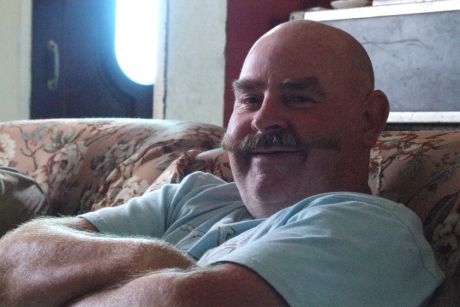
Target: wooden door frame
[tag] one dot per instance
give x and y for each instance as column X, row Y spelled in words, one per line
column 25, row 60
column 159, row 94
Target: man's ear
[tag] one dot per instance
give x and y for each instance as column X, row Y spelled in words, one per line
column 376, row 114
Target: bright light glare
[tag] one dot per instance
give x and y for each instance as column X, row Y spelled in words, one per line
column 136, row 39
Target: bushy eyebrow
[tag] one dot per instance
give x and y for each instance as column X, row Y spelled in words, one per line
column 247, row 85
column 307, row 83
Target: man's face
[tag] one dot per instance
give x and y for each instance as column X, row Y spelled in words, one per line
column 294, row 123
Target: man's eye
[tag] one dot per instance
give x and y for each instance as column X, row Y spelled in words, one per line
column 301, row 101
column 250, row 100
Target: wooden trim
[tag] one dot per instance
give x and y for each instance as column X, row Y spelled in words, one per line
column 159, row 98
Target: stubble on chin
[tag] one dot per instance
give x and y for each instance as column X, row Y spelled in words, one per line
column 261, row 184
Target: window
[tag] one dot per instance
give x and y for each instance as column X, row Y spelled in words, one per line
column 136, row 39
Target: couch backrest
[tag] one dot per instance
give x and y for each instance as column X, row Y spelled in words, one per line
column 422, row 170
column 90, row 163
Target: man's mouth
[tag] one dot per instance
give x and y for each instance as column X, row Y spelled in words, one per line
column 273, row 150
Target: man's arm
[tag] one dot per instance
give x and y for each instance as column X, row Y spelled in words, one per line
column 48, row 262
column 222, row 285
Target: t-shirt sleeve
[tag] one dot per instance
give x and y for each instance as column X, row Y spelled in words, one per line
column 146, row 215
column 152, row 213
column 341, row 254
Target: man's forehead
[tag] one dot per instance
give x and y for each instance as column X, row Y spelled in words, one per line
column 287, row 84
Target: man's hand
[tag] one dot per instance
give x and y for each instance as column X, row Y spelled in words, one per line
column 49, row 262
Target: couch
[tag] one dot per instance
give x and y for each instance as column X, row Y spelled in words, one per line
column 87, row 164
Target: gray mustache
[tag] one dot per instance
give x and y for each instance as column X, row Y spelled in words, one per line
column 276, row 139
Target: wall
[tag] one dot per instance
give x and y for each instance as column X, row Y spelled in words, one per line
column 15, row 41
column 195, row 70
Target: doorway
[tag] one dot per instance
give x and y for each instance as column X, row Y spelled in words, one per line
column 74, row 68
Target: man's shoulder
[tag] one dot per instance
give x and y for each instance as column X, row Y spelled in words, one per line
column 341, row 197
column 205, row 188
column 202, row 178
column 200, row 181
column 351, row 207
column 351, row 200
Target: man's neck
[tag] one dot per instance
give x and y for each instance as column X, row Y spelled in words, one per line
column 263, row 208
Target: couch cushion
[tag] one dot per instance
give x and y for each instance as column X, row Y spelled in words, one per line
column 21, row 199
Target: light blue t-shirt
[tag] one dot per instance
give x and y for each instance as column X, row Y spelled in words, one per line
column 332, row 249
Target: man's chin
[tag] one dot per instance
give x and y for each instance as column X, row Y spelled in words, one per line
column 267, row 203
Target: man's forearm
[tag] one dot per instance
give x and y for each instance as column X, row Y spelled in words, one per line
column 151, row 289
column 47, row 263
column 219, row 285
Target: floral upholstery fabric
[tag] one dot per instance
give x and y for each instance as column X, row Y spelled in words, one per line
column 214, row 161
column 422, row 170
column 92, row 163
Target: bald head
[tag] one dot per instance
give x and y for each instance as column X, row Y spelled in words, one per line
column 335, row 52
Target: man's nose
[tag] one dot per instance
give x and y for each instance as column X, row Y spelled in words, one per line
column 270, row 116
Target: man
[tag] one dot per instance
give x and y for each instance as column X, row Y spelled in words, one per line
column 298, row 228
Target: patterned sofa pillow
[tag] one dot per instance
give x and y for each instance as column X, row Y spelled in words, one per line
column 214, row 161
column 21, row 199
